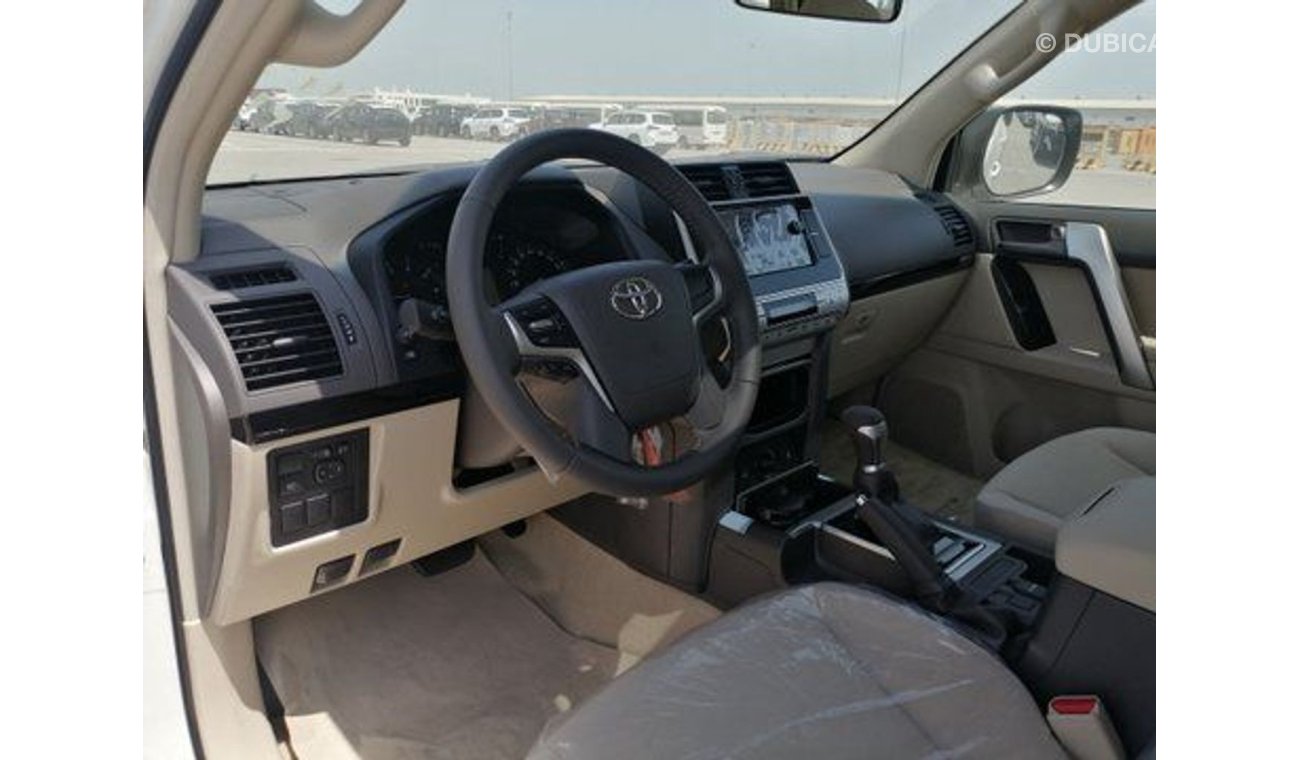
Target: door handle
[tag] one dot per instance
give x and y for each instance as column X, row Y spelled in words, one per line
column 1088, row 245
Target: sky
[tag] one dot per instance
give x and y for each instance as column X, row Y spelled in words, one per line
column 516, row 49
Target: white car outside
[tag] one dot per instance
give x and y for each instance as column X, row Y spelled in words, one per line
column 652, row 129
column 494, row 123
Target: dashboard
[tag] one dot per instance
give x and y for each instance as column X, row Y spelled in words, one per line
column 287, row 324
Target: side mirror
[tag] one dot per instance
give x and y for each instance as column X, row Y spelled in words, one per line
column 877, row 11
column 1017, row 152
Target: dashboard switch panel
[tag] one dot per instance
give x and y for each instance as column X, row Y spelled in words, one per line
column 318, row 486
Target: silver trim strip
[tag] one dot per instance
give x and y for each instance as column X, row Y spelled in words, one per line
column 961, row 566
column 1088, row 244
column 844, row 535
column 527, row 349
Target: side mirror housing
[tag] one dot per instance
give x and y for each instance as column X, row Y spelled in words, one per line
column 1017, row 152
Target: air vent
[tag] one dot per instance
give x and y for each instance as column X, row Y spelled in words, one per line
column 234, row 279
column 956, row 224
column 765, row 180
column 730, row 182
column 708, row 179
column 280, row 340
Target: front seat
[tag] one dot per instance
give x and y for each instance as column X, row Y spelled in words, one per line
column 822, row 671
column 1031, row 498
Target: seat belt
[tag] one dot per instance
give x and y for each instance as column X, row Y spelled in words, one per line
column 1083, row 728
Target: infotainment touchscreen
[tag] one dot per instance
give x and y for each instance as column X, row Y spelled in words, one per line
column 769, row 238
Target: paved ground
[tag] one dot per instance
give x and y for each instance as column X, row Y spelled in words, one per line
column 244, row 156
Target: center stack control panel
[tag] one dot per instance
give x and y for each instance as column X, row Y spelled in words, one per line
column 794, row 273
column 318, row 486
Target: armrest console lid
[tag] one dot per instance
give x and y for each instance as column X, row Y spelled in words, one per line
column 1111, row 546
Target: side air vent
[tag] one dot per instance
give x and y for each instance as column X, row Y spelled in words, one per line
column 709, row 180
column 234, row 279
column 764, row 180
column 956, row 224
column 280, row 340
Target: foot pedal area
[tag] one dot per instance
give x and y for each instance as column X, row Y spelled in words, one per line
column 1083, row 728
column 444, row 559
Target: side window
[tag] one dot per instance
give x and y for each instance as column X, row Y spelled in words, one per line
column 1109, row 78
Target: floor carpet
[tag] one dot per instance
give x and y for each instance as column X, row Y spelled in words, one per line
column 461, row 665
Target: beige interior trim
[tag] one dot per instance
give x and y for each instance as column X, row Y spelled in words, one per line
column 321, row 38
column 1112, row 546
column 977, row 328
column 1140, row 283
column 411, row 497
column 880, row 330
column 226, row 694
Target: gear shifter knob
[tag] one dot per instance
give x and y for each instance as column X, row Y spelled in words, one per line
column 869, row 430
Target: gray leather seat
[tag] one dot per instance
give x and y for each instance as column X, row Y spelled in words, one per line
column 823, row 671
column 1032, row 497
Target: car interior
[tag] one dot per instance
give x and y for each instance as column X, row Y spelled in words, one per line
column 582, row 451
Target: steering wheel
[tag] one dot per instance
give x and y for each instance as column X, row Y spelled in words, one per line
column 630, row 330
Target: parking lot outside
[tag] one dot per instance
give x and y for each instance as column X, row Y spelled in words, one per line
column 249, row 156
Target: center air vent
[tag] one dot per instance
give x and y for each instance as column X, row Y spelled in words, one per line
column 280, row 340
column 234, row 279
column 764, row 180
column 708, row 179
column 728, row 182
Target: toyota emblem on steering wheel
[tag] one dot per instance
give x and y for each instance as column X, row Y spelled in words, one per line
column 635, row 298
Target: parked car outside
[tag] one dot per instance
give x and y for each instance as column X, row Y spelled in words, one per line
column 371, row 125
column 495, row 123
column 441, row 120
column 307, row 120
column 651, row 129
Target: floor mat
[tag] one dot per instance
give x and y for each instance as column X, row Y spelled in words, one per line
column 938, row 490
column 461, row 665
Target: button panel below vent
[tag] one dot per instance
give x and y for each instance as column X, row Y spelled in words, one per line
column 280, row 340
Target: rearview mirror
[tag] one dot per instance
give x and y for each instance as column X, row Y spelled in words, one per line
column 878, row 11
column 1020, row 151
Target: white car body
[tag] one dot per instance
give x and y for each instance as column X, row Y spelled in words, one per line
column 494, row 123
column 648, row 128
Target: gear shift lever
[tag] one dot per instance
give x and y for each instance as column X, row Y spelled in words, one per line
column 906, row 531
column 872, row 477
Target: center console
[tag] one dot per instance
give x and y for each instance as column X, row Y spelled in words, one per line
column 798, row 526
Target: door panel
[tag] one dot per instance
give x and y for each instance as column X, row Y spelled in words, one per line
column 978, row 393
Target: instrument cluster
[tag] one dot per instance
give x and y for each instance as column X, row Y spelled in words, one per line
column 532, row 239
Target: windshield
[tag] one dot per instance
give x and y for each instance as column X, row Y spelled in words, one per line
column 467, row 78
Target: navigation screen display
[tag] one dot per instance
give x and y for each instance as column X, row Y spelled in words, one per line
column 770, row 238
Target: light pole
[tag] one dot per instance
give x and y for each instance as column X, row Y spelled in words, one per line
column 510, row 63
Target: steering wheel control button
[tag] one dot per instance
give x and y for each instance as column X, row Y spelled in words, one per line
column 332, row 572
column 544, row 325
column 318, row 486
column 559, row 370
